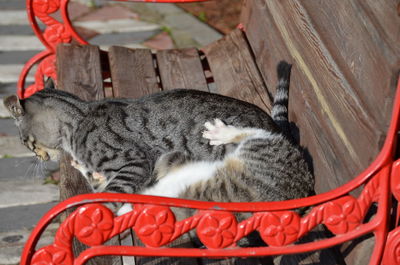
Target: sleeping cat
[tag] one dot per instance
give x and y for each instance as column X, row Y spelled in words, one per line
column 121, row 139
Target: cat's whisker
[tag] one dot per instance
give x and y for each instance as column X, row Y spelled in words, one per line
column 39, row 169
column 28, row 170
column 36, row 169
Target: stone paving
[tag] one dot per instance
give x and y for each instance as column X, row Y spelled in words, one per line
column 24, row 197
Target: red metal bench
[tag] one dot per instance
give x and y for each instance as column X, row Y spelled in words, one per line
column 217, row 228
column 342, row 210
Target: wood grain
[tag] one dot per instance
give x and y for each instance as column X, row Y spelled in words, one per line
column 79, row 72
column 340, row 81
column 181, row 69
column 123, row 88
column 346, row 59
column 234, row 70
column 132, row 72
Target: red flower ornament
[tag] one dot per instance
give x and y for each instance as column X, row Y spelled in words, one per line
column 279, row 228
column 48, row 66
column 56, row 34
column 155, row 225
column 217, row 229
column 93, row 224
column 342, row 215
column 52, row 255
column 46, row 6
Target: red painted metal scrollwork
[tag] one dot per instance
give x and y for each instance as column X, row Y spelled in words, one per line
column 54, row 33
column 217, row 229
column 278, row 223
column 392, row 251
column 156, row 226
column 279, row 229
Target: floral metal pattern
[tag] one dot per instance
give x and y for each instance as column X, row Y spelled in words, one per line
column 155, row 225
column 278, row 229
column 217, row 229
column 52, row 255
column 54, row 33
column 343, row 215
column 93, row 226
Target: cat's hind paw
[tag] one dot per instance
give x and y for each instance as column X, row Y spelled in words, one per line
column 219, row 133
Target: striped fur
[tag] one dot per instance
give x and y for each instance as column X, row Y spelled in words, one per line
column 279, row 111
column 264, row 166
column 121, row 139
column 116, row 143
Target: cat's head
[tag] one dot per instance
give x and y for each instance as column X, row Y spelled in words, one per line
column 37, row 125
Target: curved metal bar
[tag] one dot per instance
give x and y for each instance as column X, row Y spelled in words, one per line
column 27, row 67
column 35, row 26
column 68, row 24
column 381, row 171
column 217, row 253
column 377, row 224
column 56, row 32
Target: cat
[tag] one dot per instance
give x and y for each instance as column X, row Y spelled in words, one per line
column 264, row 166
column 121, row 139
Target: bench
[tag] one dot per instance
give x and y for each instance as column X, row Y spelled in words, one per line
column 333, row 104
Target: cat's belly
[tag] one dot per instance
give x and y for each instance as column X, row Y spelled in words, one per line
column 177, row 181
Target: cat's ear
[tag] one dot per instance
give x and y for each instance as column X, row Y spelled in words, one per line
column 13, row 105
column 50, row 84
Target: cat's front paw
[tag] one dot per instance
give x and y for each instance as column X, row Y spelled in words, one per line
column 218, row 133
column 77, row 166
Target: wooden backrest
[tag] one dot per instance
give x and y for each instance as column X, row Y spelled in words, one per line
column 343, row 80
column 346, row 61
column 346, row 58
column 138, row 72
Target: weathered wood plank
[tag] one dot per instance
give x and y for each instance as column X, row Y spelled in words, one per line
column 136, row 85
column 324, row 76
column 78, row 67
column 364, row 65
column 234, row 71
column 79, row 72
column 181, row 69
column 382, row 20
column 132, row 72
column 236, row 75
column 346, row 58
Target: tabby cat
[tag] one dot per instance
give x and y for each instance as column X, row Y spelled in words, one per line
column 116, row 142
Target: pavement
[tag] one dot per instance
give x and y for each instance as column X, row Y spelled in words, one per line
column 24, row 196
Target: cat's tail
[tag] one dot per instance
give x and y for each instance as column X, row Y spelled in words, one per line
column 279, row 111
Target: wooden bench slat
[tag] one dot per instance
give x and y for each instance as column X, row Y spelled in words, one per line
column 132, row 72
column 136, row 68
column 79, row 67
column 181, row 69
column 323, row 78
column 234, row 70
column 345, row 73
